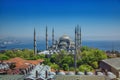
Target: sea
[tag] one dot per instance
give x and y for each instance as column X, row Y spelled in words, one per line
column 102, row 45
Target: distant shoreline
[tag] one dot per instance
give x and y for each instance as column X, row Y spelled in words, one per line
column 102, row 45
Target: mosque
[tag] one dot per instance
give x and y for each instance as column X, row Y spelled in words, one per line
column 64, row 42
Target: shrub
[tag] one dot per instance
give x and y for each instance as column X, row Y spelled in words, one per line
column 65, row 67
column 85, row 67
column 54, row 66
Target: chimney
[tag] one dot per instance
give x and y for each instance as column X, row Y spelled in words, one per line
column 36, row 74
column 46, row 74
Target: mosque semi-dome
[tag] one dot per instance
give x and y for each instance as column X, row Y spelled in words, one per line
column 63, row 43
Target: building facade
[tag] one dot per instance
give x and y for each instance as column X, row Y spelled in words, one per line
column 112, row 65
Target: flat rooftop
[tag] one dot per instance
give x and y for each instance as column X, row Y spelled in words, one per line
column 114, row 62
column 80, row 77
column 11, row 77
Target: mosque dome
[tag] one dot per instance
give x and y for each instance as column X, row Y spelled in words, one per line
column 65, row 42
column 64, row 37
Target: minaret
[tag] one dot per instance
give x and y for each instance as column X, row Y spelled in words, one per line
column 75, row 37
column 46, row 39
column 35, row 49
column 80, row 38
column 53, row 36
column 75, row 52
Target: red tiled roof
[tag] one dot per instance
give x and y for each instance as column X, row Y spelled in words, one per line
column 21, row 63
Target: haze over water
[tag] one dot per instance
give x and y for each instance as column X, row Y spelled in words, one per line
column 103, row 45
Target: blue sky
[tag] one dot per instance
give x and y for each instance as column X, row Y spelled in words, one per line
column 99, row 19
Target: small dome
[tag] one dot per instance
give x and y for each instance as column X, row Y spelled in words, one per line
column 80, row 73
column 61, row 73
column 89, row 73
column 70, row 73
column 111, row 75
column 100, row 73
column 72, row 43
column 52, row 73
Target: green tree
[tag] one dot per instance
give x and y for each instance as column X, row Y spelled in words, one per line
column 65, row 67
column 85, row 48
column 10, row 54
column 41, row 56
column 71, row 69
column 99, row 55
column 54, row 59
column 54, row 66
column 19, row 53
column 94, row 64
column 67, row 60
column 91, row 56
column 85, row 67
column 3, row 57
column 47, row 61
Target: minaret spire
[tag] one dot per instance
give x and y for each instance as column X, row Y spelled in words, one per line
column 35, row 49
column 53, row 36
column 46, row 39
